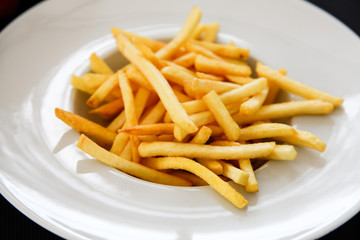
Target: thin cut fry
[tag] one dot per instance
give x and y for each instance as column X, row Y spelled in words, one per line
column 103, row 91
column 186, row 60
column 177, row 74
column 205, row 86
column 208, row 76
column 159, row 83
column 304, row 139
column 211, row 31
column 109, row 110
column 295, row 87
column 286, row 109
column 183, row 35
column 282, row 152
column 222, row 115
column 218, row 67
column 97, row 65
column 266, row 130
column 189, row 165
column 229, row 51
column 101, row 135
column 253, row 104
column 150, row 129
column 152, row 149
column 129, row 167
column 252, row 184
column 234, row 173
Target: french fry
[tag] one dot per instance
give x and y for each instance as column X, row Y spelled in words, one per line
column 154, row 115
column 295, row 87
column 256, row 150
column 304, row 139
column 266, row 130
column 252, row 184
column 186, row 60
column 134, row 75
column 183, row 35
column 273, row 89
column 239, row 80
column 159, row 83
column 129, row 167
column 89, row 82
column 150, row 129
column 191, row 47
column 109, row 110
column 140, row 100
column 229, row 97
column 211, row 31
column 205, row 86
column 219, row 67
column 222, row 115
column 189, row 165
column 177, row 74
column 234, row 173
column 207, row 76
column 195, row 180
column 229, row 51
column 97, row 65
column 130, row 111
column 286, row 109
column 282, row 152
column 118, row 122
column 154, row 45
column 148, row 53
column 101, row 135
column 103, row 91
column 199, row 30
column 253, row 104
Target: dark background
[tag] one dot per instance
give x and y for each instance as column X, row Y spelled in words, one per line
column 15, row 225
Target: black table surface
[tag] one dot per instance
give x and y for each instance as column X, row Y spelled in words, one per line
column 15, row 225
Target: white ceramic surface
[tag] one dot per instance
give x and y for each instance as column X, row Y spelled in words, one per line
column 45, row 176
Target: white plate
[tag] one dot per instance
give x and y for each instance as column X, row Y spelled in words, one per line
column 44, row 175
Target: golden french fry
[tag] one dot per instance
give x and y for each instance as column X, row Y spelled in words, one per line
column 282, row 152
column 97, row 65
column 286, row 109
column 207, row 76
column 154, row 45
column 205, row 86
column 295, row 87
column 151, row 149
column 222, row 115
column 252, row 184
column 129, row 167
column 189, row 165
column 177, row 74
column 159, row 83
column 253, row 104
column 219, row 67
column 134, row 75
column 211, row 31
column 195, row 180
column 273, row 89
column 118, row 122
column 266, row 130
column 239, row 80
column 130, row 111
column 183, row 35
column 304, row 139
column 103, row 91
column 101, row 135
column 200, row 28
column 234, row 173
column 154, row 115
column 109, row 110
column 186, row 60
column 229, row 97
column 150, row 129
column 148, row 53
column 140, row 100
column 230, row 51
column 89, row 82
column 191, row 47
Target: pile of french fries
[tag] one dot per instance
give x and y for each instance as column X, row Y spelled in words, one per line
column 192, row 111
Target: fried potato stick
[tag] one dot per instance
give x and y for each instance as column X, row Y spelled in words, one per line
column 129, row 167
column 295, row 87
column 159, row 83
column 101, row 135
column 152, row 149
column 216, row 182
